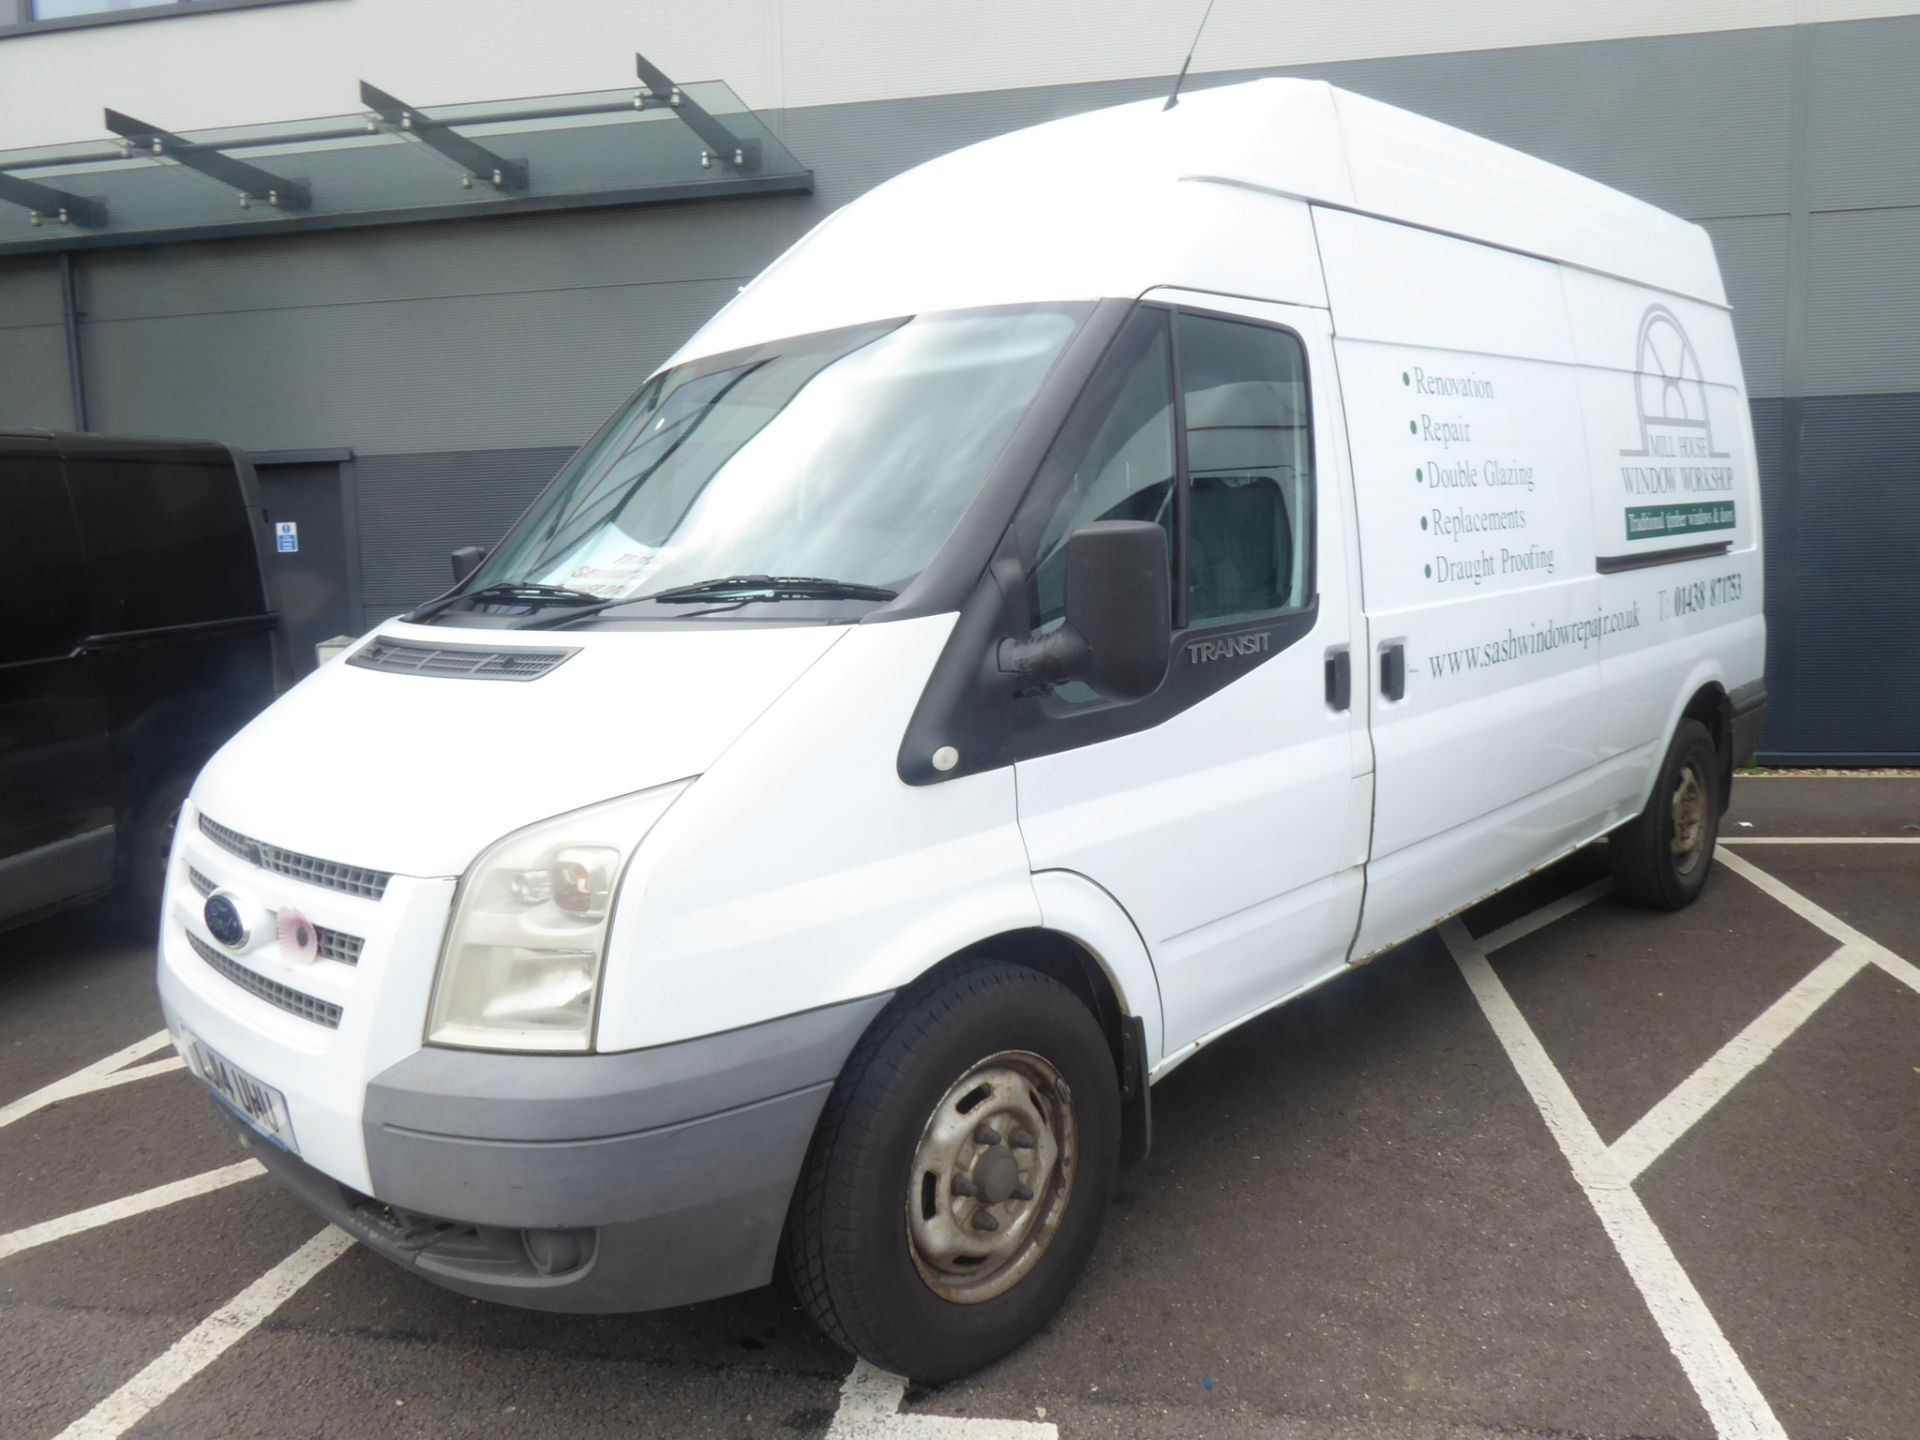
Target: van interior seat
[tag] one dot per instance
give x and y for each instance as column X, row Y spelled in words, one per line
column 1242, row 546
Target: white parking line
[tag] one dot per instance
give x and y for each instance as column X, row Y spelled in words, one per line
column 1820, row 839
column 1655, row 1132
column 100, row 1075
column 208, row 1340
column 128, row 1206
column 1544, row 916
column 1902, row 970
column 870, row 1410
column 1734, row 1404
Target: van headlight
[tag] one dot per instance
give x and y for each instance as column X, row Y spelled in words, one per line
column 523, row 954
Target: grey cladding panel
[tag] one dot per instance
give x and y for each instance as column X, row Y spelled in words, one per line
column 414, row 509
column 1753, row 262
column 1865, row 140
column 876, row 140
column 577, row 250
column 475, row 372
column 1846, row 677
column 30, row 292
column 34, row 389
column 1863, row 303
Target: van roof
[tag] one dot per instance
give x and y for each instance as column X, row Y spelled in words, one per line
column 1280, row 135
column 121, row 447
column 1112, row 203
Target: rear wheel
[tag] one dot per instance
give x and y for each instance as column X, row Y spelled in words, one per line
column 960, row 1173
column 1661, row 858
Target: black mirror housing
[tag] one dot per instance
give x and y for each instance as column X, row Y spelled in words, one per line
column 466, row 559
column 1118, row 632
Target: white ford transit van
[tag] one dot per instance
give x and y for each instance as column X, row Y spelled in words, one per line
column 1098, row 585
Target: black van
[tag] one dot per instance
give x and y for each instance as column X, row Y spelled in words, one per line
column 136, row 635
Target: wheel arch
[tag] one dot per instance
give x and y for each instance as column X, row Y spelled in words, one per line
column 1704, row 697
column 1087, row 943
column 1713, row 707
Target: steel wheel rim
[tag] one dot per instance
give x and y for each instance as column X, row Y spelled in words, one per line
column 1689, row 821
column 1021, row 1179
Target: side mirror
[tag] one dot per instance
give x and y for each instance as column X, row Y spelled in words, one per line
column 466, row 559
column 1117, row 635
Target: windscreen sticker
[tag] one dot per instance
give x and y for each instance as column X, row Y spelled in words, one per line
column 610, row 565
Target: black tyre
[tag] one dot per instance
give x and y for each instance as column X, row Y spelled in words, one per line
column 960, row 1172
column 1661, row 858
column 150, row 846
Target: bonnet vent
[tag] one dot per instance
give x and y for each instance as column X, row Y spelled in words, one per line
column 457, row 662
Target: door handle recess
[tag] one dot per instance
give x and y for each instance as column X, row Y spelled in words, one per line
column 1393, row 671
column 1339, row 680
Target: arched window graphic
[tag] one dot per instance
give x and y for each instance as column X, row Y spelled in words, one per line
column 1669, row 384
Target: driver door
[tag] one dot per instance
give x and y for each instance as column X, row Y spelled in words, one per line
column 1228, row 812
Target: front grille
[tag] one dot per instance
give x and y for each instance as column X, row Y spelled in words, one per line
column 331, row 944
column 457, row 662
column 294, row 1002
column 338, row 945
column 353, row 879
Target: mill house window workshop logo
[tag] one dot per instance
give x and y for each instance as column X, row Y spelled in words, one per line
column 1677, row 457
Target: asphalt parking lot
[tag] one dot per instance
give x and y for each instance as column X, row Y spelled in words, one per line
column 1566, row 1169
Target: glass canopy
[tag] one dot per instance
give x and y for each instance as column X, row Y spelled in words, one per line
column 393, row 163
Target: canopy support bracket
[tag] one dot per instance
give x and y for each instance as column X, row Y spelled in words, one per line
column 479, row 162
column 250, row 181
column 47, row 203
column 723, row 147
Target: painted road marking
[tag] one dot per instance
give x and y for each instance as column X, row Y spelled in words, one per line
column 1903, row 971
column 1654, row 1133
column 208, row 1340
column 1820, row 839
column 1734, row 1404
column 100, row 1075
column 870, row 1410
column 1544, row 916
column 128, row 1206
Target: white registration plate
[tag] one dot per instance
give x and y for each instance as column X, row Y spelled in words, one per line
column 259, row 1104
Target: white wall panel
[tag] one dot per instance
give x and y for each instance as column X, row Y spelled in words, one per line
column 289, row 61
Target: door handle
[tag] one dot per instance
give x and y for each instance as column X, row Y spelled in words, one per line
column 1339, row 680
column 1393, row 671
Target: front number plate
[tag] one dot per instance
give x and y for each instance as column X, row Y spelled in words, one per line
column 259, row 1104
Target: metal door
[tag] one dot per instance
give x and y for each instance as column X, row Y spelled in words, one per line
column 312, row 575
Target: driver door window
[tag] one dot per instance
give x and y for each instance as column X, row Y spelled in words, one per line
column 1119, row 444
column 1201, row 425
column 1249, row 473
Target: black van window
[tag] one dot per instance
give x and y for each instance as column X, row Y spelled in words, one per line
column 43, row 584
column 168, row 543
column 1249, row 470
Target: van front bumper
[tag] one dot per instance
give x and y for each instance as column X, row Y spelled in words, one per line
column 591, row 1183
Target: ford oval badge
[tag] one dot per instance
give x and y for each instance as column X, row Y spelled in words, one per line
column 224, row 921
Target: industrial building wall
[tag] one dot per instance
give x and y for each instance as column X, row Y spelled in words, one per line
column 461, row 361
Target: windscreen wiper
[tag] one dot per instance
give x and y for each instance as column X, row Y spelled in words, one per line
column 740, row 588
column 776, row 587
column 528, row 592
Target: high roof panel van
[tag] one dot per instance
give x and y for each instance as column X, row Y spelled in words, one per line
column 1095, row 587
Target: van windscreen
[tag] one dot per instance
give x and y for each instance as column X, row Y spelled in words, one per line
column 848, row 455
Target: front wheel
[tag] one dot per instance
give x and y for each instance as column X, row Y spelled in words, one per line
column 1661, row 858
column 151, row 845
column 960, row 1173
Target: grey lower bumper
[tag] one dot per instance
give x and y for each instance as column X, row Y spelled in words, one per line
column 594, row 1183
